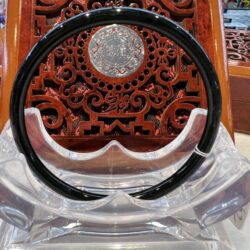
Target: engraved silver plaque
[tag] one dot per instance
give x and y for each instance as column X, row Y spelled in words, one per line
column 116, row 51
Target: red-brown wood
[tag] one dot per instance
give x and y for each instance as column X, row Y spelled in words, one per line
column 238, row 51
column 170, row 83
column 238, row 47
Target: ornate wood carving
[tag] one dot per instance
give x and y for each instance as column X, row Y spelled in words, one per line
column 238, row 51
column 78, row 103
column 238, row 45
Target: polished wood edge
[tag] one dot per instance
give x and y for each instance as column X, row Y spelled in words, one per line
column 221, row 63
column 10, row 57
column 2, row 36
column 239, row 71
column 242, row 131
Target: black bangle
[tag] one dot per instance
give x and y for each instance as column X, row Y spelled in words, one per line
column 102, row 17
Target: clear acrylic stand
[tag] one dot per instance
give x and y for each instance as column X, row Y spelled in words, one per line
column 35, row 217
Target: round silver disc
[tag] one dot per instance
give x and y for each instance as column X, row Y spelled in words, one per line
column 116, row 51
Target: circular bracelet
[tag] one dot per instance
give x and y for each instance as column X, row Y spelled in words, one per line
column 107, row 16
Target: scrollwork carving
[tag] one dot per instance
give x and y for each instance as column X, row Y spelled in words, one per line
column 76, row 100
column 238, row 45
column 48, row 6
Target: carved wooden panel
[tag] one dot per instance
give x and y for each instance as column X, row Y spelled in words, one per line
column 238, row 51
column 143, row 111
column 238, row 46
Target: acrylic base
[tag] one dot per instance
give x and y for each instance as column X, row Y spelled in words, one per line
column 153, row 237
column 35, row 217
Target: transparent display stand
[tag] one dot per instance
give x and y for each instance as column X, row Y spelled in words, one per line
column 34, row 216
column 174, row 197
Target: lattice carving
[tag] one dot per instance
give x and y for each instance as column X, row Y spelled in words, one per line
column 77, row 101
column 238, row 45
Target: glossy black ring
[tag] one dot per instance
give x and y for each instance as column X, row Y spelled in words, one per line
column 101, row 17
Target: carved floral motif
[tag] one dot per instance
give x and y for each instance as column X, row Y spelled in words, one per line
column 77, row 100
column 238, row 45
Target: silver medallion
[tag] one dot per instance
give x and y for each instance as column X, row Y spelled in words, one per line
column 116, row 51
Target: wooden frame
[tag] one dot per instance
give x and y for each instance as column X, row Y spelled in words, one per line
column 15, row 42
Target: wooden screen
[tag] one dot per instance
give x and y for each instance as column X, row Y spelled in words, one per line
column 66, row 81
column 238, row 50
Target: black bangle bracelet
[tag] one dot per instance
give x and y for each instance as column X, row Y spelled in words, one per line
column 102, row 17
